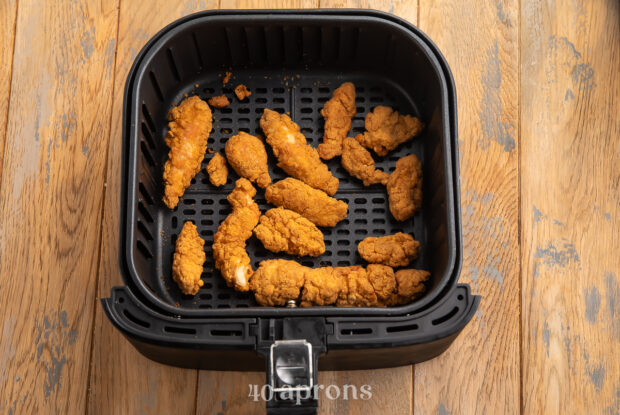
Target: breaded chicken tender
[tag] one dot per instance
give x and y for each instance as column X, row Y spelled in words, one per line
column 386, row 130
column 229, row 241
column 396, row 250
column 404, row 187
column 220, row 101
column 312, row 204
column 295, row 156
column 188, row 260
column 410, row 284
column 282, row 230
column 277, row 281
column 321, row 287
column 360, row 164
column 190, row 126
column 218, row 172
column 247, row 156
column 337, row 112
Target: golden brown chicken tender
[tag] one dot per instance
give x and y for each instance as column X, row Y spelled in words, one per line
column 277, row 281
column 282, row 230
column 188, row 260
column 404, row 187
column 217, row 170
column 247, row 156
column 312, row 204
column 337, row 112
column 396, row 250
column 386, row 130
column 360, row 164
column 190, row 126
column 321, row 287
column 229, row 250
column 410, row 284
column 294, row 155
column 220, row 101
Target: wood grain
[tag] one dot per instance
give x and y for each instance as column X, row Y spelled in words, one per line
column 8, row 14
column 50, row 199
column 480, row 371
column 268, row 4
column 570, row 169
column 122, row 380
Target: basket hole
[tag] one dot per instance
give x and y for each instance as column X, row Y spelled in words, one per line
column 459, row 297
column 378, row 221
column 360, row 201
column 307, row 263
column 144, row 230
column 278, row 90
column 147, row 154
column 225, row 130
column 205, row 296
column 261, row 100
column 145, row 212
column 226, row 110
column 343, row 263
column 378, row 200
column 209, row 90
column 324, row 90
column 206, row 222
column 353, row 332
column 322, row 99
column 136, row 320
column 397, row 329
column 243, row 120
column 243, row 110
column 306, row 100
column 360, row 211
column 189, row 212
column 145, row 194
column 306, row 90
column 343, row 242
column 360, row 221
column 147, row 117
column 236, row 333
column 344, row 253
column 378, row 210
column 446, row 317
column 342, row 232
column 174, row 222
column 207, row 201
column 361, row 232
column 380, row 231
column 179, row 330
column 225, row 120
column 306, row 110
column 261, row 90
column 144, row 250
column 148, row 136
column 278, row 100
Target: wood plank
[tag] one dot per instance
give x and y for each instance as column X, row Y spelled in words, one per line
column 8, row 14
column 267, row 4
column 122, row 380
column 480, row 372
column 50, row 201
column 570, row 97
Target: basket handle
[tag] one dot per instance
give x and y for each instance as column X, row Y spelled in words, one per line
column 291, row 348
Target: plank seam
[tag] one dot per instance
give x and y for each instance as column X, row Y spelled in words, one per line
column 8, row 106
column 102, row 215
column 520, row 211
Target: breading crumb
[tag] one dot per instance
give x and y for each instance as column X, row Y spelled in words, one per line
column 242, row 92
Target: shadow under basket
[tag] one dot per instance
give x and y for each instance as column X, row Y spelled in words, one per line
column 291, row 61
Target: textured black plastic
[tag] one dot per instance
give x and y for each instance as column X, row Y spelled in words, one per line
column 292, row 63
column 232, row 343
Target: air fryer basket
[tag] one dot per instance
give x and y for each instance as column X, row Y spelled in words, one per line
column 292, row 63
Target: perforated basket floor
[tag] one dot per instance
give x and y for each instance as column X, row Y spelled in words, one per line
column 301, row 96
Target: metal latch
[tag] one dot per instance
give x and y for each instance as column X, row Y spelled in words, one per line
column 291, row 366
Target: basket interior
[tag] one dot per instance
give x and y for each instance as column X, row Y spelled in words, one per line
column 293, row 67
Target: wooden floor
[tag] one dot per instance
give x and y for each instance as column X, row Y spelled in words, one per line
column 539, row 124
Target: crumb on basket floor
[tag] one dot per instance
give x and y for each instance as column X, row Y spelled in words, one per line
column 242, row 92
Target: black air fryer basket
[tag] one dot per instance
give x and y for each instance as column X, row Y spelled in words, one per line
column 291, row 61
